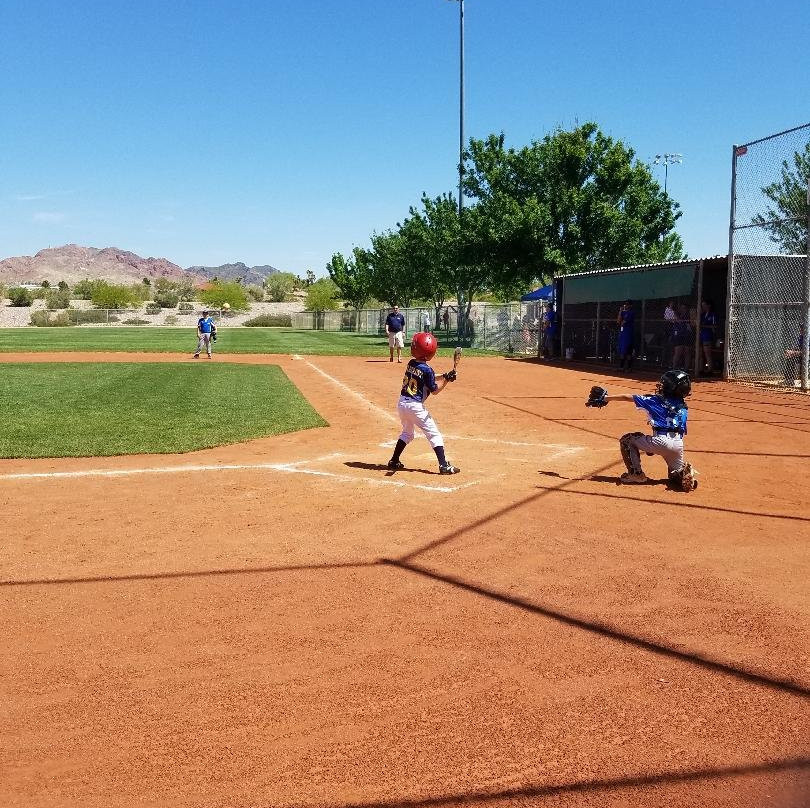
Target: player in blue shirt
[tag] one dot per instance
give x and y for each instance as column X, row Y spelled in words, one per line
column 708, row 333
column 627, row 331
column 206, row 332
column 395, row 328
column 549, row 331
column 667, row 414
column 419, row 382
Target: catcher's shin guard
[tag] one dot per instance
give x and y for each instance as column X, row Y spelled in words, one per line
column 630, row 455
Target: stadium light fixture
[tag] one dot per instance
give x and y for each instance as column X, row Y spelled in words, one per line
column 667, row 160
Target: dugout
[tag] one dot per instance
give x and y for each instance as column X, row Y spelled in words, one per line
column 589, row 303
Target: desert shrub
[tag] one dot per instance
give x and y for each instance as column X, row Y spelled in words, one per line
column 256, row 292
column 63, row 286
column 50, row 319
column 135, row 321
column 20, row 296
column 153, row 308
column 57, row 299
column 270, row 321
column 185, row 307
column 170, row 319
column 39, row 294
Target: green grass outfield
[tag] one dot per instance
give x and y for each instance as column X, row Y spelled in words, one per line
column 81, row 409
column 184, row 340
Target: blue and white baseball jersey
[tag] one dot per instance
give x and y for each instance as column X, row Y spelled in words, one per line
column 419, row 381
column 666, row 414
column 205, row 324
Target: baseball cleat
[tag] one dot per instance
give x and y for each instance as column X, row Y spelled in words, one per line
column 395, row 465
column 449, row 468
column 631, row 478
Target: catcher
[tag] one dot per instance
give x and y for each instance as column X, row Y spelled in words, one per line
column 419, row 382
column 667, row 413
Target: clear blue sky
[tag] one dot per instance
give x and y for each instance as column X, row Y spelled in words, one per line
column 282, row 131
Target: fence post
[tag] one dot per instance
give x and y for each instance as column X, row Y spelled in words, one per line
column 698, row 347
column 730, row 278
column 806, row 313
column 107, row 313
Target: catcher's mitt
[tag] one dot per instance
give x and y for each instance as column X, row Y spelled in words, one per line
column 685, row 479
column 213, row 336
column 597, row 397
column 450, row 375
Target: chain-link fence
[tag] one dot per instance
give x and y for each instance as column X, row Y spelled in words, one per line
column 769, row 284
column 510, row 328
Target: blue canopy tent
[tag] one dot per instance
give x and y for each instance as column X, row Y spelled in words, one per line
column 543, row 293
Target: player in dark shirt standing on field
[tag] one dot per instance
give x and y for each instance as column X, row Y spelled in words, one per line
column 395, row 328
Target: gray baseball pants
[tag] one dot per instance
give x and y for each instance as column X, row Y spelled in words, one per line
column 667, row 446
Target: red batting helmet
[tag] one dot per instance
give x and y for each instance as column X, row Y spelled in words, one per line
column 424, row 346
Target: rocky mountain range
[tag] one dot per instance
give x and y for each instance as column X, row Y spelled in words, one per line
column 73, row 263
column 236, row 272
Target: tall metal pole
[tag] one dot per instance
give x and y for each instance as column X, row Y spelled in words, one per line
column 806, row 312
column 732, row 220
column 461, row 109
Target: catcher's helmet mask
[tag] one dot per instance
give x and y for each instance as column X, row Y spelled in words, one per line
column 675, row 384
column 424, row 346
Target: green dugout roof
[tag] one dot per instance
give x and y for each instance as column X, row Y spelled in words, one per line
column 647, row 282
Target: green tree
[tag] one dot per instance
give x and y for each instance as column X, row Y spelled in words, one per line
column 112, row 296
column 432, row 242
column 229, row 292
column 46, row 284
column 63, row 286
column 322, row 295
column 165, row 293
column 576, row 200
column 393, row 279
column 785, row 219
column 57, row 299
column 280, row 285
column 352, row 276
column 83, row 290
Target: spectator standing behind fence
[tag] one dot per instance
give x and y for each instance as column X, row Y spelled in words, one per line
column 708, row 334
column 549, row 325
column 626, row 321
column 446, row 318
column 426, row 324
column 205, row 333
column 395, row 328
column 682, row 338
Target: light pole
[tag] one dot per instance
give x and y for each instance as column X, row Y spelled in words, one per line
column 460, row 324
column 667, row 160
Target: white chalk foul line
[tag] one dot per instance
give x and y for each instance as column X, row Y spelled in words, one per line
column 296, row 467
column 379, row 410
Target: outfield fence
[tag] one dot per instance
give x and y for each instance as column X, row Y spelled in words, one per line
column 769, row 242
column 511, row 328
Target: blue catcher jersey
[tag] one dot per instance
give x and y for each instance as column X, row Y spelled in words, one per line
column 668, row 414
column 419, row 381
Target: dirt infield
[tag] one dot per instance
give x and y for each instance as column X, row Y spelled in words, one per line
column 285, row 623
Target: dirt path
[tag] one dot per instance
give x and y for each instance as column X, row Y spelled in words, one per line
column 298, row 627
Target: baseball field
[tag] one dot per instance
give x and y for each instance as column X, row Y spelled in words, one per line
column 278, row 620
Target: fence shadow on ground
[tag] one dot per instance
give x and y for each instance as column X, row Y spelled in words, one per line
column 605, row 785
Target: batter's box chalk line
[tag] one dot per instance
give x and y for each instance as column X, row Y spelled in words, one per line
column 295, row 467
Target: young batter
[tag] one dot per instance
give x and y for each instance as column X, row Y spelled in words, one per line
column 668, row 414
column 419, row 382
